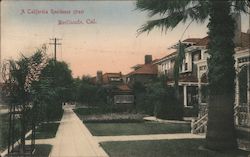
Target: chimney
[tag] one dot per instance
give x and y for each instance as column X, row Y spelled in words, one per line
column 237, row 31
column 99, row 77
column 148, row 59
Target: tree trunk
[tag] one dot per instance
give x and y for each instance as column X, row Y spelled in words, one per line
column 221, row 132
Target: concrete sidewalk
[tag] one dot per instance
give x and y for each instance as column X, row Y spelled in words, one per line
column 148, row 137
column 73, row 139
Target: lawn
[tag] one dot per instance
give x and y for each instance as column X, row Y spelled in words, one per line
column 114, row 129
column 42, row 150
column 165, row 148
column 46, row 130
column 4, row 117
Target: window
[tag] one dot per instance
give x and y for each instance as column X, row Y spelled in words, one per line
column 192, row 95
column 197, row 56
column 115, row 79
column 186, row 66
column 204, row 67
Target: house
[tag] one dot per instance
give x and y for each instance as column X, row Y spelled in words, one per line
column 189, row 82
column 143, row 73
column 194, row 69
column 119, row 94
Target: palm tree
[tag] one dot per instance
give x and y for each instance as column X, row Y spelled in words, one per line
column 221, row 131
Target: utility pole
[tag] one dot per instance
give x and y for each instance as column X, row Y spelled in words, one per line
column 55, row 43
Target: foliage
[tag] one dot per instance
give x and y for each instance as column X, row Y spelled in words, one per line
column 221, row 131
column 139, row 93
column 46, row 130
column 162, row 101
column 38, row 81
column 87, row 93
column 171, row 13
column 178, row 62
column 138, row 87
column 157, row 99
column 53, row 88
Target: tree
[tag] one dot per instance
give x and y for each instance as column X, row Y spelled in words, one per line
column 221, row 132
column 161, row 101
column 19, row 78
column 55, row 88
column 85, row 90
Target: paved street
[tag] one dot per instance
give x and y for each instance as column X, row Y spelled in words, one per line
column 74, row 139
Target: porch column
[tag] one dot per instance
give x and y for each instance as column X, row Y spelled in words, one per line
column 185, row 95
column 237, row 97
column 199, row 85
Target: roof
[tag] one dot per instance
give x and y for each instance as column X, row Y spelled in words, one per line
column 192, row 40
column 245, row 41
column 123, row 87
column 106, row 76
column 137, row 66
column 148, row 69
column 203, row 42
column 167, row 56
column 112, row 75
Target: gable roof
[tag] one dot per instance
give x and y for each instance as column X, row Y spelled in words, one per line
column 148, row 69
column 203, row 42
column 192, row 40
column 106, row 76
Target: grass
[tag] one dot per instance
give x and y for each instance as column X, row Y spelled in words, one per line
column 46, row 130
column 114, row 129
column 165, row 148
column 4, row 120
column 42, row 150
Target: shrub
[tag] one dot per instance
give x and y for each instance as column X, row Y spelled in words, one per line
column 162, row 102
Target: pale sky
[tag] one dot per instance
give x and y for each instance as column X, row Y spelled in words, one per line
column 110, row 45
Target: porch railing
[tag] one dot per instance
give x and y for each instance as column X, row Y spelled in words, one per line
column 241, row 118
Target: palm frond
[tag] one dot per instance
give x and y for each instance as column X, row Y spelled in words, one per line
column 172, row 13
column 164, row 23
column 241, row 5
column 162, row 6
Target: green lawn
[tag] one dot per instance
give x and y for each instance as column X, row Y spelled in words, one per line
column 46, row 130
column 4, row 119
column 165, row 148
column 114, row 129
column 42, row 150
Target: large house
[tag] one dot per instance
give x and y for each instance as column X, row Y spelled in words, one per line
column 189, row 81
column 193, row 74
column 119, row 93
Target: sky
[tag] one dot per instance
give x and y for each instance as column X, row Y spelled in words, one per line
column 106, row 39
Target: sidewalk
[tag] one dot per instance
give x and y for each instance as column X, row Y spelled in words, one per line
column 73, row 139
column 148, row 137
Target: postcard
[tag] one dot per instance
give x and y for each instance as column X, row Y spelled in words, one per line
column 125, row 78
